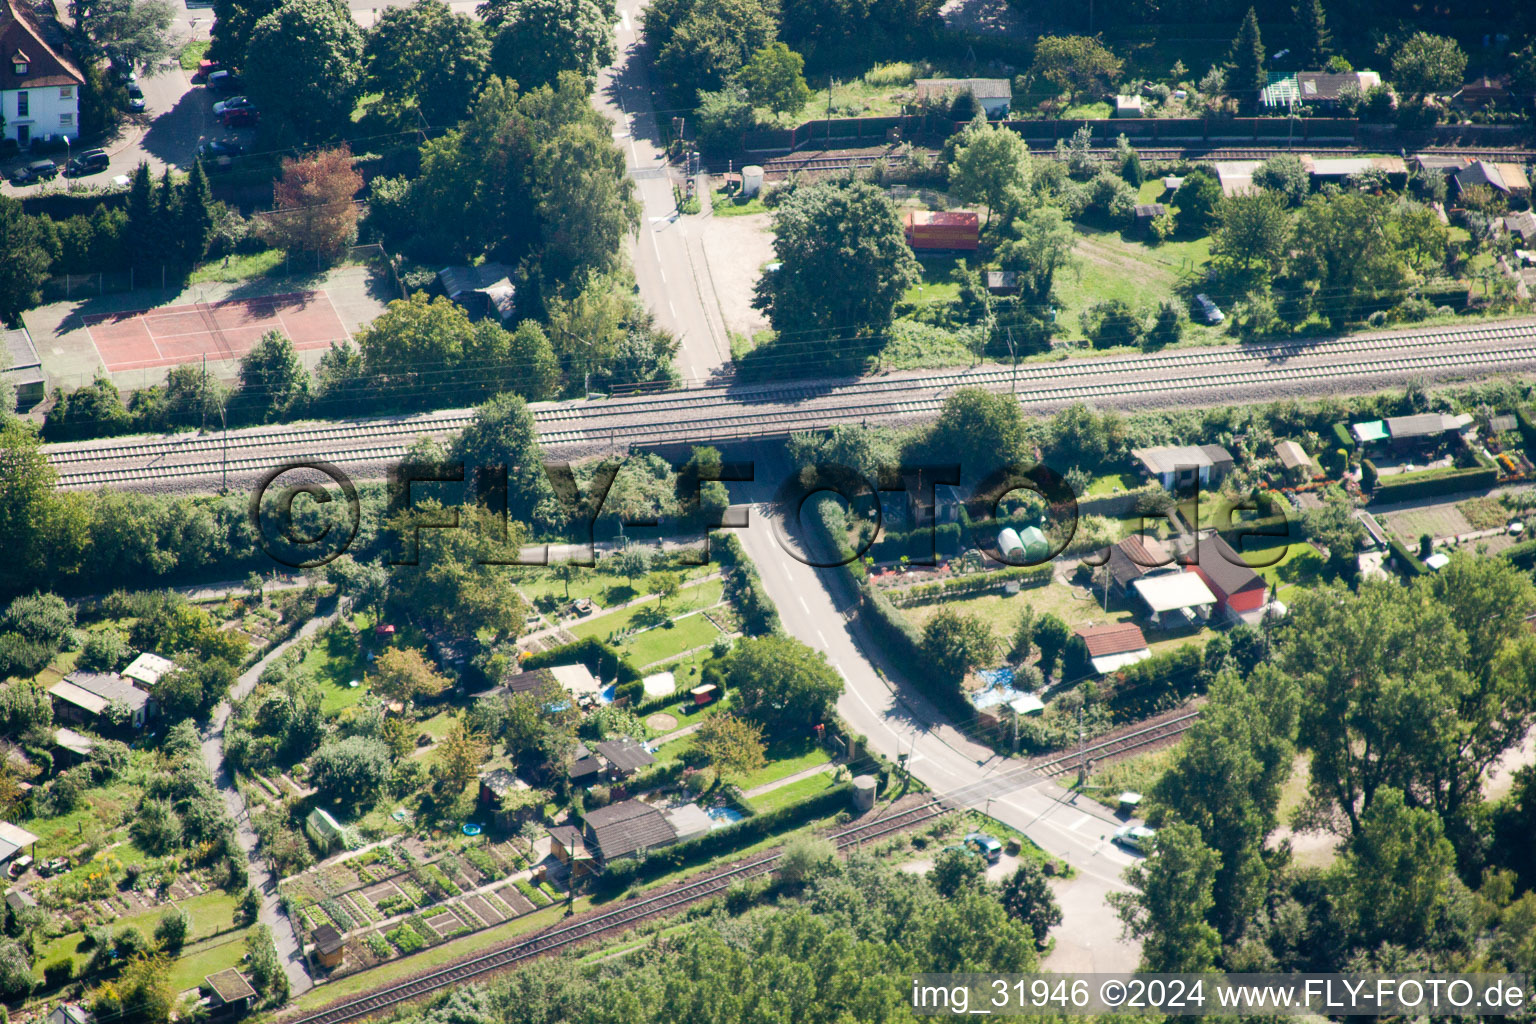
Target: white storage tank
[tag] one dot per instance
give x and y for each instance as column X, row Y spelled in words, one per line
column 751, row 179
column 864, row 793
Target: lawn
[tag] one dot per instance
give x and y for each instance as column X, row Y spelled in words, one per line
column 241, row 267
column 1112, row 482
column 333, row 664
column 211, row 913
column 726, row 204
column 700, row 595
column 606, row 589
column 193, row 53
column 1001, row 611
column 792, row 793
column 1110, row 267
column 196, row 963
column 785, row 757
column 1299, row 566
column 668, row 641
column 936, row 287
column 1137, row 774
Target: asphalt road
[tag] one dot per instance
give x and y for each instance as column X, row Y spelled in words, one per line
column 817, row 608
column 667, row 253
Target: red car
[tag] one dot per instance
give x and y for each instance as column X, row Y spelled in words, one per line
column 239, row 117
column 204, row 69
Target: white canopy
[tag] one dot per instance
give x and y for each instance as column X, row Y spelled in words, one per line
column 1174, row 591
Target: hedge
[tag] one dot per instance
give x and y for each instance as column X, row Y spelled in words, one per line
column 744, row 587
column 1408, row 560
column 1522, row 554
column 1344, row 437
column 1527, row 428
column 973, row 583
column 1435, row 482
column 601, row 660
column 725, row 840
column 894, row 634
column 1143, row 689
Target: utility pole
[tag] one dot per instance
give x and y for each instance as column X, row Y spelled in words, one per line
column 1014, row 356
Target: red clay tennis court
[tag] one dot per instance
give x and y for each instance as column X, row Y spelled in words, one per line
column 170, row 335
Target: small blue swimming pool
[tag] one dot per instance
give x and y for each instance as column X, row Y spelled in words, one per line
column 724, row 815
column 608, row 693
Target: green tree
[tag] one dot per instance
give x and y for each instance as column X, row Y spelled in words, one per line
column 1316, row 40
column 1111, row 323
column 1075, row 64
column 1227, row 781
column 532, row 41
column 401, row 673
column 24, row 260
column 273, row 382
column 352, row 770
column 458, row 756
column 954, row 644
column 1397, row 872
column 843, row 231
column 1196, row 200
column 700, row 46
column 1245, row 60
column 504, row 434
column 732, row 746
column 1044, row 244
column 1027, row 897
column 781, row 684
column 987, row 427
column 1346, row 251
column 956, row 870
column 722, row 116
column 775, row 78
column 233, row 21
column 1284, row 173
column 806, row 858
column 1171, row 899
column 1426, row 64
column 195, row 690
column 249, row 907
column 129, row 33
column 172, row 930
column 194, row 214
column 1131, row 169
column 991, row 166
column 266, row 967
column 1168, row 324
column 425, row 58
column 1051, row 636
column 1420, row 688
column 304, row 66
column 585, row 202
column 1252, row 234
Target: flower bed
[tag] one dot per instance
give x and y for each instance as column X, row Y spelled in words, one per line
column 406, row 939
column 532, row 895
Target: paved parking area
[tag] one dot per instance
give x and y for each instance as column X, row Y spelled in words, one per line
column 177, row 117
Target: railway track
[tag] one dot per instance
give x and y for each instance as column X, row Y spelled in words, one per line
column 632, row 912
column 1111, row 746
column 1195, row 150
column 563, row 423
column 778, row 410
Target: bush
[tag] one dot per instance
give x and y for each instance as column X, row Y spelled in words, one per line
column 59, row 972
column 1368, row 475
column 406, row 940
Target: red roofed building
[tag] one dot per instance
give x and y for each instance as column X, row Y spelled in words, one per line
column 1239, row 590
column 39, row 80
column 1114, row 645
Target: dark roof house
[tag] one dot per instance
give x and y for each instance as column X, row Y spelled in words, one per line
column 625, row 755
column 29, row 59
column 69, row 1013
column 626, row 828
column 231, row 992
column 486, row 290
column 329, row 946
column 1137, row 556
column 1238, row 589
column 82, row 696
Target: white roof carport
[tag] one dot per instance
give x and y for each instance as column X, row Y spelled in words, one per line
column 1174, row 591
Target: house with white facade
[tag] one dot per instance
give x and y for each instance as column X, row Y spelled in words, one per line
column 39, row 80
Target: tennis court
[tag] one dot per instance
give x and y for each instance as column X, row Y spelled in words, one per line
column 227, row 330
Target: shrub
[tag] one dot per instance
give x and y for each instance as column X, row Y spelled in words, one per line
column 405, row 939
column 59, row 972
column 376, row 945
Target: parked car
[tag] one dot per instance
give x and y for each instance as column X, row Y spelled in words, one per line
column 135, row 98
column 92, row 161
column 19, row 866
column 219, row 154
column 1209, row 312
column 37, row 170
column 1136, row 837
column 240, row 117
column 224, row 81
column 233, row 103
column 986, row 845
column 204, row 69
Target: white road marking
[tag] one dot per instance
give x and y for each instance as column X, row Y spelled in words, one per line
column 624, row 20
column 801, row 599
column 1077, row 826
column 821, row 638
